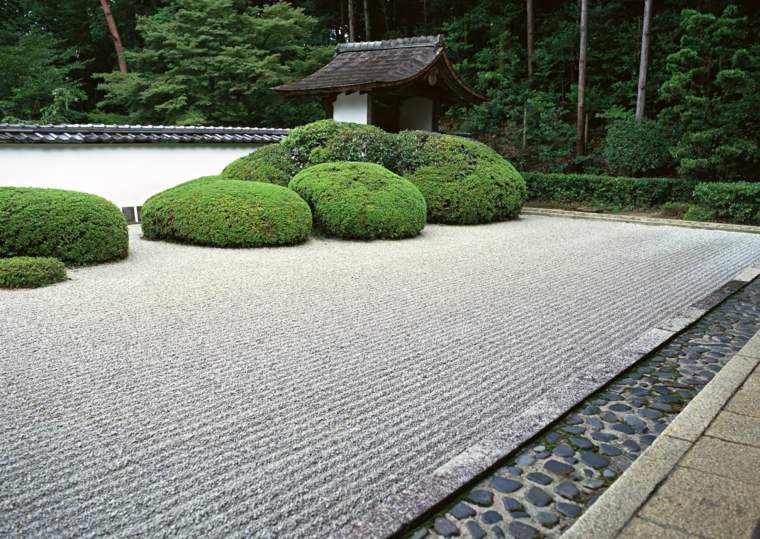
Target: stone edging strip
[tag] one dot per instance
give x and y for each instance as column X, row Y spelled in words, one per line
column 726, row 227
column 400, row 511
column 620, row 503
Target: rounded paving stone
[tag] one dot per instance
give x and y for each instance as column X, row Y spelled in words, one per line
column 593, row 483
column 574, row 430
column 540, row 478
column 491, row 517
column 558, row 468
column 568, row 509
column 594, row 460
column 552, row 437
column 603, row 436
column 638, row 424
column 538, row 497
column 619, row 407
column 581, row 443
column 445, row 527
column 475, row 531
column 518, row 530
column 462, row 511
column 505, row 485
column 610, row 450
column 547, row 519
column 512, row 505
column 563, row 450
column 567, row 489
column 525, row 460
column 481, row 497
column 419, row 534
column 624, row 428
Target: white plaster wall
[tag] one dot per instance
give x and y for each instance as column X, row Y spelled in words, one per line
column 352, row 108
column 126, row 174
column 416, row 113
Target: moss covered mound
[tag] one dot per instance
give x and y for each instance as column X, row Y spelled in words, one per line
column 463, row 181
column 76, row 228
column 269, row 164
column 227, row 213
column 361, row 200
column 30, row 272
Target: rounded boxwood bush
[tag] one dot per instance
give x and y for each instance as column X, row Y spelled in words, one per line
column 327, row 141
column 76, row 228
column 227, row 213
column 30, row 272
column 361, row 200
column 463, row 181
column 269, row 164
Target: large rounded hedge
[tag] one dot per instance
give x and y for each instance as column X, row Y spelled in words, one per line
column 227, row 213
column 361, row 200
column 326, row 141
column 463, row 181
column 77, row 228
column 269, row 164
column 30, row 272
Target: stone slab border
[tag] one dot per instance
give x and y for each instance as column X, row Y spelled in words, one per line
column 726, row 227
column 402, row 511
column 620, row 503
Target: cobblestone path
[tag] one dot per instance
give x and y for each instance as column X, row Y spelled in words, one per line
column 545, row 486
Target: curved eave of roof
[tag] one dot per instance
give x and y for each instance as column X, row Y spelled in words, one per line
column 461, row 89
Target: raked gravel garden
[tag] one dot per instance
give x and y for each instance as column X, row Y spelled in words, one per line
column 280, row 348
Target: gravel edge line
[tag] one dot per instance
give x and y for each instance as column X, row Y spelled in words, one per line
column 620, row 503
column 399, row 512
column 661, row 221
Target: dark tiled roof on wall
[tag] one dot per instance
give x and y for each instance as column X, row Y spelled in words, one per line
column 121, row 134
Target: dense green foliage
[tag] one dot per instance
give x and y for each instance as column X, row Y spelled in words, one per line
column 361, row 201
column 227, row 213
column 37, row 80
column 713, row 97
column 636, row 148
column 214, row 61
column 737, row 202
column 464, row 182
column 77, row 228
column 30, row 272
column 270, row 164
column 325, row 140
column 617, row 192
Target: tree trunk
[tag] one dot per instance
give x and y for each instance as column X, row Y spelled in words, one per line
column 351, row 21
column 641, row 98
column 114, row 36
column 529, row 5
column 580, row 146
column 367, row 25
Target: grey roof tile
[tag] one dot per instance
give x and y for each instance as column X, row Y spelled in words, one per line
column 101, row 133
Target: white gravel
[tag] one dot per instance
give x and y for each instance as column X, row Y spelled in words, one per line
column 284, row 392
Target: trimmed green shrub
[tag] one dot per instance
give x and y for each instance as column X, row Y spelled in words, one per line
column 463, row 181
column 637, row 148
column 737, row 202
column 361, row 200
column 619, row 192
column 327, row 141
column 77, row 228
column 227, row 213
column 698, row 213
column 675, row 210
column 269, row 164
column 30, row 272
